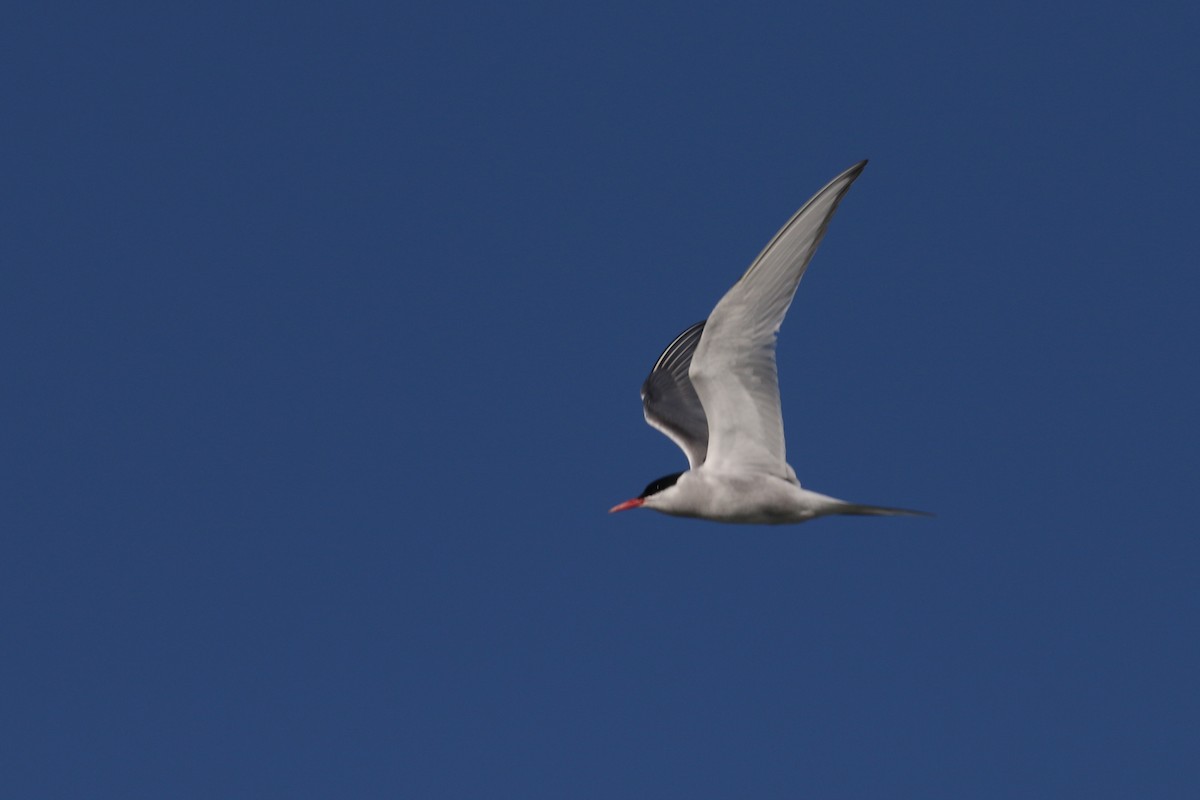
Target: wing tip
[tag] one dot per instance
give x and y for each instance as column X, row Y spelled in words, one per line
column 854, row 171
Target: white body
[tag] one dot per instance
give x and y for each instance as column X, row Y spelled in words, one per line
column 747, row 497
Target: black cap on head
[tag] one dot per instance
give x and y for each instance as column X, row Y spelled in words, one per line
column 657, row 486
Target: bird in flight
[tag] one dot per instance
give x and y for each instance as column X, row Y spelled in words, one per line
column 715, row 392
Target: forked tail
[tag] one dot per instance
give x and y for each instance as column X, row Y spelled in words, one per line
column 878, row 511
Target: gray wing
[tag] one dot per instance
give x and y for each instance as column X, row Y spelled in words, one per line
column 733, row 370
column 671, row 403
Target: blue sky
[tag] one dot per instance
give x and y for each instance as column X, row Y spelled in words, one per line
column 325, row 327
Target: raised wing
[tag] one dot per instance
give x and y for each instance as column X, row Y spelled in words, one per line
column 670, row 402
column 733, row 368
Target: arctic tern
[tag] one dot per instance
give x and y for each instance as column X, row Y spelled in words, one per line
column 714, row 391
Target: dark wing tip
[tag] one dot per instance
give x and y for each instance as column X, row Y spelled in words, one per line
column 669, row 400
column 680, row 348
